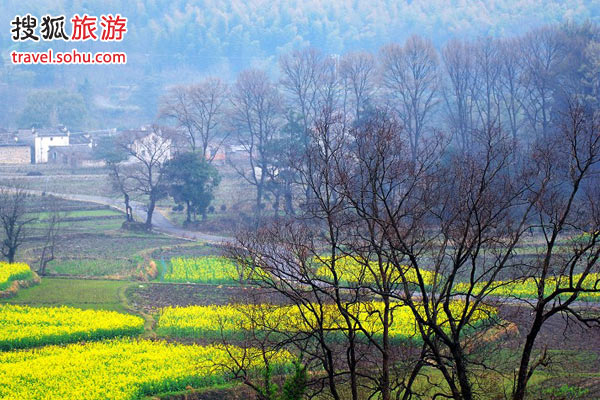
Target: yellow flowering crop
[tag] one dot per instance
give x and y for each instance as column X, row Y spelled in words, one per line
column 123, row 369
column 210, row 269
column 13, row 272
column 22, row 326
column 230, row 320
column 527, row 288
column 350, row 270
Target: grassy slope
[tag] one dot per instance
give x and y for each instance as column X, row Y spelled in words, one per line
column 80, row 293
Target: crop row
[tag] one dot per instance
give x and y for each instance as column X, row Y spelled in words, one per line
column 528, row 288
column 353, row 270
column 220, row 270
column 22, row 326
column 210, row 269
column 233, row 320
column 118, row 369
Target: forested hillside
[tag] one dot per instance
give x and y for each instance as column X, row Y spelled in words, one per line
column 179, row 41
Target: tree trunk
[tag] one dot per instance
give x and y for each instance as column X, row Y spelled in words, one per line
column 189, row 211
column 10, row 255
column 149, row 213
column 461, row 373
column 385, row 359
column 523, row 374
column 276, row 202
column 128, row 209
column 288, row 203
column 259, row 194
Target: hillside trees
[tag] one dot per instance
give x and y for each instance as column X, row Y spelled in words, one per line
column 47, row 108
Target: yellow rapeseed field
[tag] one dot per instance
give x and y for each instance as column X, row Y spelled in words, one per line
column 13, row 272
column 22, row 326
column 527, row 288
column 230, row 320
column 118, row 369
column 209, row 269
column 353, row 270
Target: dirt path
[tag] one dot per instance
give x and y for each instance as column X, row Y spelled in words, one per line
column 159, row 222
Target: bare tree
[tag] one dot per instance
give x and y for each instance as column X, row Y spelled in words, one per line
column 177, row 105
column 14, row 219
column 147, row 151
column 312, row 84
column 303, row 261
column 410, row 74
column 301, row 78
column 256, row 117
column 512, row 91
column 422, row 247
column 488, row 71
column 122, row 182
column 197, row 109
column 541, row 52
column 458, row 94
column 51, row 236
column 357, row 75
column 115, row 154
column 568, row 208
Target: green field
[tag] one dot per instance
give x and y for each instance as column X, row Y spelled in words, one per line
column 79, row 293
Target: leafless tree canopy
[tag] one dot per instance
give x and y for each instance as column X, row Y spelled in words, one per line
column 197, row 110
column 455, row 216
column 13, row 219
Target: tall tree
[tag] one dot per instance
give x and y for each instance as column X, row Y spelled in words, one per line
column 357, row 74
column 301, row 79
column 459, row 93
column 191, row 180
column 567, row 183
column 147, row 153
column 198, row 110
column 542, row 53
column 14, row 220
column 256, row 115
column 512, row 91
column 410, row 75
column 487, row 96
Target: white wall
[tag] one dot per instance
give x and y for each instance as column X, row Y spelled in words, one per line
column 43, row 144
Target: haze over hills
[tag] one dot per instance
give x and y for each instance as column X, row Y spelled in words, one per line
column 180, row 41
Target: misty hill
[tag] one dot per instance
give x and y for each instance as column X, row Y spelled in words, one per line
column 183, row 40
column 232, row 34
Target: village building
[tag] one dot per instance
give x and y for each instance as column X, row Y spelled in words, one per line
column 13, row 150
column 15, row 154
column 148, row 143
column 79, row 152
column 45, row 139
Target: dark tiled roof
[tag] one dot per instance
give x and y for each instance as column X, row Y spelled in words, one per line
column 45, row 132
column 79, row 139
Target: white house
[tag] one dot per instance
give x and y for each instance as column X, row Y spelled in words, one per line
column 45, row 139
column 149, row 145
